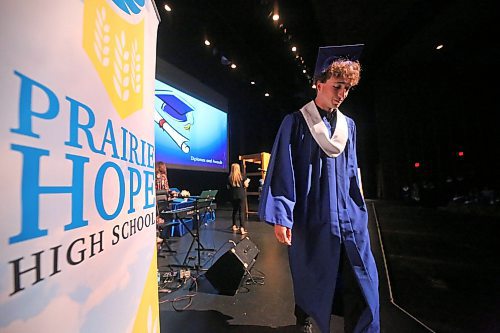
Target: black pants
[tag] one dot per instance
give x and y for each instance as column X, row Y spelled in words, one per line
column 238, row 209
column 350, row 304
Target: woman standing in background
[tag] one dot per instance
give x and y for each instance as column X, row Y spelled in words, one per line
column 238, row 194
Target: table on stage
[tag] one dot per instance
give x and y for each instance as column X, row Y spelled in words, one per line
column 188, row 209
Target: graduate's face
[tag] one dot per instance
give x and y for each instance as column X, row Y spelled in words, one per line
column 332, row 93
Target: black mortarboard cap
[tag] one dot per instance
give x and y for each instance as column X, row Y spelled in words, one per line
column 328, row 54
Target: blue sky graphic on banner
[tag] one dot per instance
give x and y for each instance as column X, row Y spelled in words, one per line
column 189, row 133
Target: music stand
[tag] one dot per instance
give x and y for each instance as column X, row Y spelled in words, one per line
column 175, row 212
column 205, row 199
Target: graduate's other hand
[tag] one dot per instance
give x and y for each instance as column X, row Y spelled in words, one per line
column 283, row 234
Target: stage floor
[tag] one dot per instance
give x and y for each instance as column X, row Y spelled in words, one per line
column 418, row 292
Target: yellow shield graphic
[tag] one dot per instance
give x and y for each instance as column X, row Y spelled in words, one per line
column 116, row 49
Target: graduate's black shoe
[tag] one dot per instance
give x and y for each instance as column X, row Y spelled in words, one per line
column 305, row 327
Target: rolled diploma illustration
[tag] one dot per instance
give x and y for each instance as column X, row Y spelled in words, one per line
column 178, row 138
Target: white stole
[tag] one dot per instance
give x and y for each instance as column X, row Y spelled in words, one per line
column 332, row 146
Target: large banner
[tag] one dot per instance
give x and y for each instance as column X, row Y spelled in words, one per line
column 77, row 232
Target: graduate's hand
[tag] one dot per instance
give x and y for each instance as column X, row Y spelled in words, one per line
column 283, row 234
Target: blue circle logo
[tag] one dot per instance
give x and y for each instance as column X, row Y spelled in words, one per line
column 130, row 6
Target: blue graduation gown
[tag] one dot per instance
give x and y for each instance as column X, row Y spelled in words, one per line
column 318, row 197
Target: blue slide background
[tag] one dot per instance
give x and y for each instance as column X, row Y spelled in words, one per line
column 205, row 131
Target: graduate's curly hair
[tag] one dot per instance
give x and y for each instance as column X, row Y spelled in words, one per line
column 342, row 68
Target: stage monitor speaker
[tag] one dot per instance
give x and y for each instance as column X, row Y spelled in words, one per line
column 227, row 273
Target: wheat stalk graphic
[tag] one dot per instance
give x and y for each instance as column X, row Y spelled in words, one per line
column 102, row 38
column 152, row 321
column 121, row 76
column 136, row 68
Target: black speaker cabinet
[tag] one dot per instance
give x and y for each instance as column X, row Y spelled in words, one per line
column 227, row 273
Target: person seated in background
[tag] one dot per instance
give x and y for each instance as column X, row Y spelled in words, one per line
column 161, row 176
column 238, row 195
column 161, row 184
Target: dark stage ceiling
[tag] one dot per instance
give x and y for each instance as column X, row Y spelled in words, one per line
column 414, row 103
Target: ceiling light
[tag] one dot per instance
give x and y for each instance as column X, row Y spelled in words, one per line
column 294, row 49
column 252, row 82
column 276, row 17
column 233, row 66
column 304, row 71
column 207, row 42
column 439, row 47
column 167, row 8
column 266, row 94
column 313, row 86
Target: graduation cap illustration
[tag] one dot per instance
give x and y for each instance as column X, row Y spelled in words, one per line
column 328, row 54
column 174, row 106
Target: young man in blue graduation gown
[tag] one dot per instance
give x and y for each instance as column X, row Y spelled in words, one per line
column 312, row 196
